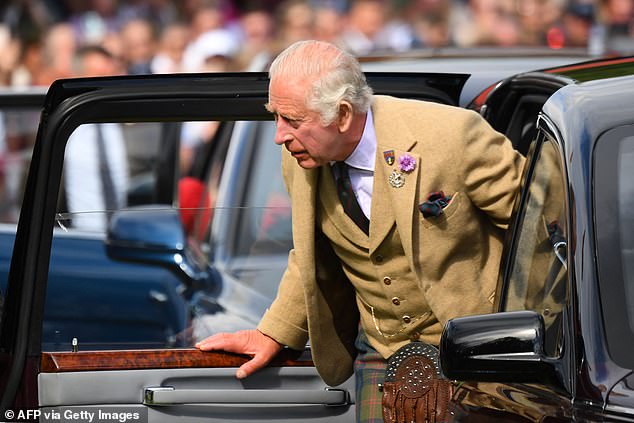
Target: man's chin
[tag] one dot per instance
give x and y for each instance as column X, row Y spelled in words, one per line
column 307, row 163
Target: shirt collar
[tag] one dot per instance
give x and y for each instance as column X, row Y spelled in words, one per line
column 364, row 154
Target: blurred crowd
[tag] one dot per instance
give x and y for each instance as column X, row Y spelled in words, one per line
column 43, row 40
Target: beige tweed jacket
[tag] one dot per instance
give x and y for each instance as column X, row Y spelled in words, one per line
column 454, row 256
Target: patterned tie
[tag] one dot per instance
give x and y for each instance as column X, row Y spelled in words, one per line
column 347, row 197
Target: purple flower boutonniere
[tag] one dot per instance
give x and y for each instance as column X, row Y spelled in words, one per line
column 406, row 163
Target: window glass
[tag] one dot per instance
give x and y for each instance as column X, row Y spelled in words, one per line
column 142, row 272
column 614, row 220
column 266, row 222
column 538, row 277
column 625, row 200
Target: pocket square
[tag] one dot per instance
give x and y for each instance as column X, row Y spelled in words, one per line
column 435, row 204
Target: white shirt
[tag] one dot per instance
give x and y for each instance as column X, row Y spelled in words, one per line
column 84, row 193
column 361, row 163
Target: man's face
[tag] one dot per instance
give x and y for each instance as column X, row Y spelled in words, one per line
column 300, row 130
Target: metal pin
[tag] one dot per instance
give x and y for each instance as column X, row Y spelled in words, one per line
column 75, row 345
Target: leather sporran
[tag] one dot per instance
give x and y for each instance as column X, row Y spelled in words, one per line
column 414, row 389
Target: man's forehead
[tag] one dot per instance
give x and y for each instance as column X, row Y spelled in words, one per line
column 286, row 96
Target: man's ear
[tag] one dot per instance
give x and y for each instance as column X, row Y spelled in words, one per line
column 344, row 117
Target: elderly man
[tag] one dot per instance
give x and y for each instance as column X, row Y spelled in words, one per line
column 399, row 209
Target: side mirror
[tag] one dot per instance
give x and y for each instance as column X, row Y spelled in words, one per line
column 153, row 235
column 501, row 347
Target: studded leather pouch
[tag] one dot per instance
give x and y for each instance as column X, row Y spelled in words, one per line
column 414, row 389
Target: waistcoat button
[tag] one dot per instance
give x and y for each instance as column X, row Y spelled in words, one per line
column 396, row 301
column 407, row 319
column 387, row 280
column 378, row 258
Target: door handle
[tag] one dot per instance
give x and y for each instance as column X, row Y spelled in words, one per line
column 168, row 395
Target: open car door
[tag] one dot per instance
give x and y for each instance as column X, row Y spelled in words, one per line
column 57, row 381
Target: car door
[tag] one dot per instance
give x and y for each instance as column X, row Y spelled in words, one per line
column 151, row 384
column 535, row 278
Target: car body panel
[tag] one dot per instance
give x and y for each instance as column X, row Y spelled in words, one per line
column 590, row 386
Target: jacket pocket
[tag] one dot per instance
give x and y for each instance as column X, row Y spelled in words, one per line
column 447, row 212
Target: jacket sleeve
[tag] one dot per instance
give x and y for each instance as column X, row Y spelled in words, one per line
column 286, row 321
column 492, row 169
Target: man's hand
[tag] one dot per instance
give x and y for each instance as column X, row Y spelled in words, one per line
column 251, row 342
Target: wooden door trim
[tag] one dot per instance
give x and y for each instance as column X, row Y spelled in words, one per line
column 59, row 362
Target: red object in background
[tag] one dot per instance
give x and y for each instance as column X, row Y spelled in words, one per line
column 194, row 206
column 555, row 38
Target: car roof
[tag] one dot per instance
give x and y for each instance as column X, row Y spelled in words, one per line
column 582, row 112
column 485, row 66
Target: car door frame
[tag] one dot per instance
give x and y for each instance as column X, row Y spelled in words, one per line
column 509, row 401
column 70, row 103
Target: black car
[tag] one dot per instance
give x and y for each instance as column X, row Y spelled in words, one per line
column 238, row 229
column 560, row 346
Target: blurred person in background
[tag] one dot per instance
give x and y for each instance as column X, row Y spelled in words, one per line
column 369, row 30
column 138, row 46
column 487, row 23
column 575, row 27
column 29, row 67
column 206, row 18
column 200, row 53
column 618, row 16
column 96, row 173
column 172, row 43
column 329, row 23
column 294, row 21
column 100, row 18
column 58, row 54
column 10, row 57
column 537, row 18
column 429, row 20
column 213, row 51
column 256, row 38
column 160, row 13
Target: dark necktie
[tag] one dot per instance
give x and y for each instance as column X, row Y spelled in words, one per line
column 109, row 194
column 347, row 197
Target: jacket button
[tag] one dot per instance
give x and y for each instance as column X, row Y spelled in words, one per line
column 387, row 280
column 378, row 258
column 407, row 319
column 396, row 301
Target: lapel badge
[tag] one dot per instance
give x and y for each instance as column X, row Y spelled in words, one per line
column 396, row 179
column 389, row 157
column 406, row 163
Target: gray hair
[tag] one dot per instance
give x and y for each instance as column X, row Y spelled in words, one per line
column 336, row 76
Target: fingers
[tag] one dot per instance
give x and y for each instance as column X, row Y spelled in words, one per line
column 256, row 363
column 251, row 342
column 232, row 342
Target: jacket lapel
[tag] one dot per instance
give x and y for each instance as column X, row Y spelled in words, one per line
column 391, row 204
column 334, row 209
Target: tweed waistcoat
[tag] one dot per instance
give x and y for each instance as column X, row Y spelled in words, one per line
column 392, row 306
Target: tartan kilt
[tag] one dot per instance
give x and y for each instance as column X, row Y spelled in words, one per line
column 369, row 372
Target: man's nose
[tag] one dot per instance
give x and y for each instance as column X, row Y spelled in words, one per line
column 282, row 134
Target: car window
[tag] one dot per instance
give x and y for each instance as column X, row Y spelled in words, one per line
column 134, row 271
column 267, row 229
column 613, row 205
column 538, row 267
